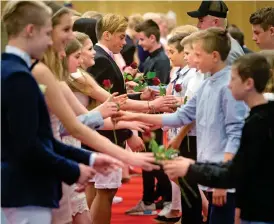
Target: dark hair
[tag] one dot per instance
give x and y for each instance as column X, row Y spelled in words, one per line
column 256, row 67
column 149, row 27
column 176, row 40
column 263, row 17
column 237, row 34
column 87, row 26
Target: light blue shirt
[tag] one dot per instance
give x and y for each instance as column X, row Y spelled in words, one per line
column 93, row 119
column 219, row 118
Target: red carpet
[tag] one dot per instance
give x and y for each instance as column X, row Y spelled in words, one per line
column 131, row 193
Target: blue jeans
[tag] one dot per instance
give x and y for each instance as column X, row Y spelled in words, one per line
column 247, row 222
column 224, row 214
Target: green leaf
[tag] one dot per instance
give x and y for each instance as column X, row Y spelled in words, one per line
column 151, row 75
column 129, row 77
column 162, row 91
column 140, row 87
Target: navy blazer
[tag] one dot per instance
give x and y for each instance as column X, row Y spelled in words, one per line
column 33, row 162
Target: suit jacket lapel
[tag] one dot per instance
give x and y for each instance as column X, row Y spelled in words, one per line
column 118, row 72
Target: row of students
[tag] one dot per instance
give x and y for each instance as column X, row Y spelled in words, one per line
column 25, row 42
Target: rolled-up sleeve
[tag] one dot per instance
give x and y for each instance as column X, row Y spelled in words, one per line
column 184, row 115
column 235, row 112
column 93, row 119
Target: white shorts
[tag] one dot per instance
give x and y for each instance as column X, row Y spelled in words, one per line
column 110, row 181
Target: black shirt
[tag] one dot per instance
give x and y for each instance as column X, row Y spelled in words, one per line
column 251, row 170
column 158, row 62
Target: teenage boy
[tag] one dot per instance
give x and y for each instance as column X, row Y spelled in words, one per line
column 262, row 22
column 219, row 117
column 250, row 171
column 158, row 62
column 149, row 40
column 31, row 157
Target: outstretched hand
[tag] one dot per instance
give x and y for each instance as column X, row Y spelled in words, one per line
column 121, row 99
column 164, row 103
column 104, row 164
column 177, row 167
column 149, row 94
column 144, row 160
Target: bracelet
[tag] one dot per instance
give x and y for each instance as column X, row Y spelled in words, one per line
column 151, row 108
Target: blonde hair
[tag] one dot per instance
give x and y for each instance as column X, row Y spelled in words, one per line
column 81, row 37
column 112, row 23
column 269, row 54
column 52, row 58
column 17, row 14
column 183, row 29
column 134, row 20
column 92, row 15
column 213, row 39
column 153, row 16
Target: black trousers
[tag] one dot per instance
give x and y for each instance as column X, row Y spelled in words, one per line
column 163, row 183
column 193, row 214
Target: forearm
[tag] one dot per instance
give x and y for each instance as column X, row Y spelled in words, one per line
column 93, row 119
column 99, row 94
column 212, row 175
column 101, row 144
column 109, row 125
column 136, row 105
column 72, row 153
column 155, row 119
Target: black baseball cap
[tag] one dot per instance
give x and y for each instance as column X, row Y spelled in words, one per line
column 213, row 8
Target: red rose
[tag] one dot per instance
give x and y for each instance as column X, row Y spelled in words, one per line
column 156, row 81
column 147, row 136
column 107, row 84
column 134, row 65
column 178, row 88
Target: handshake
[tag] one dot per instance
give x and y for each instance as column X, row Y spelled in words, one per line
column 103, row 164
column 177, row 167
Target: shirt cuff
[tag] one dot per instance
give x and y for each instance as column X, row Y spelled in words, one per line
column 94, row 120
column 232, row 146
column 170, row 120
column 92, row 159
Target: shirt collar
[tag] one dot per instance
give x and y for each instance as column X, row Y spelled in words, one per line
column 184, row 70
column 106, row 50
column 219, row 74
column 18, row 52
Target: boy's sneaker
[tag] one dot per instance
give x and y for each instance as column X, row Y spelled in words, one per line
column 166, row 209
column 142, row 209
column 163, row 219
